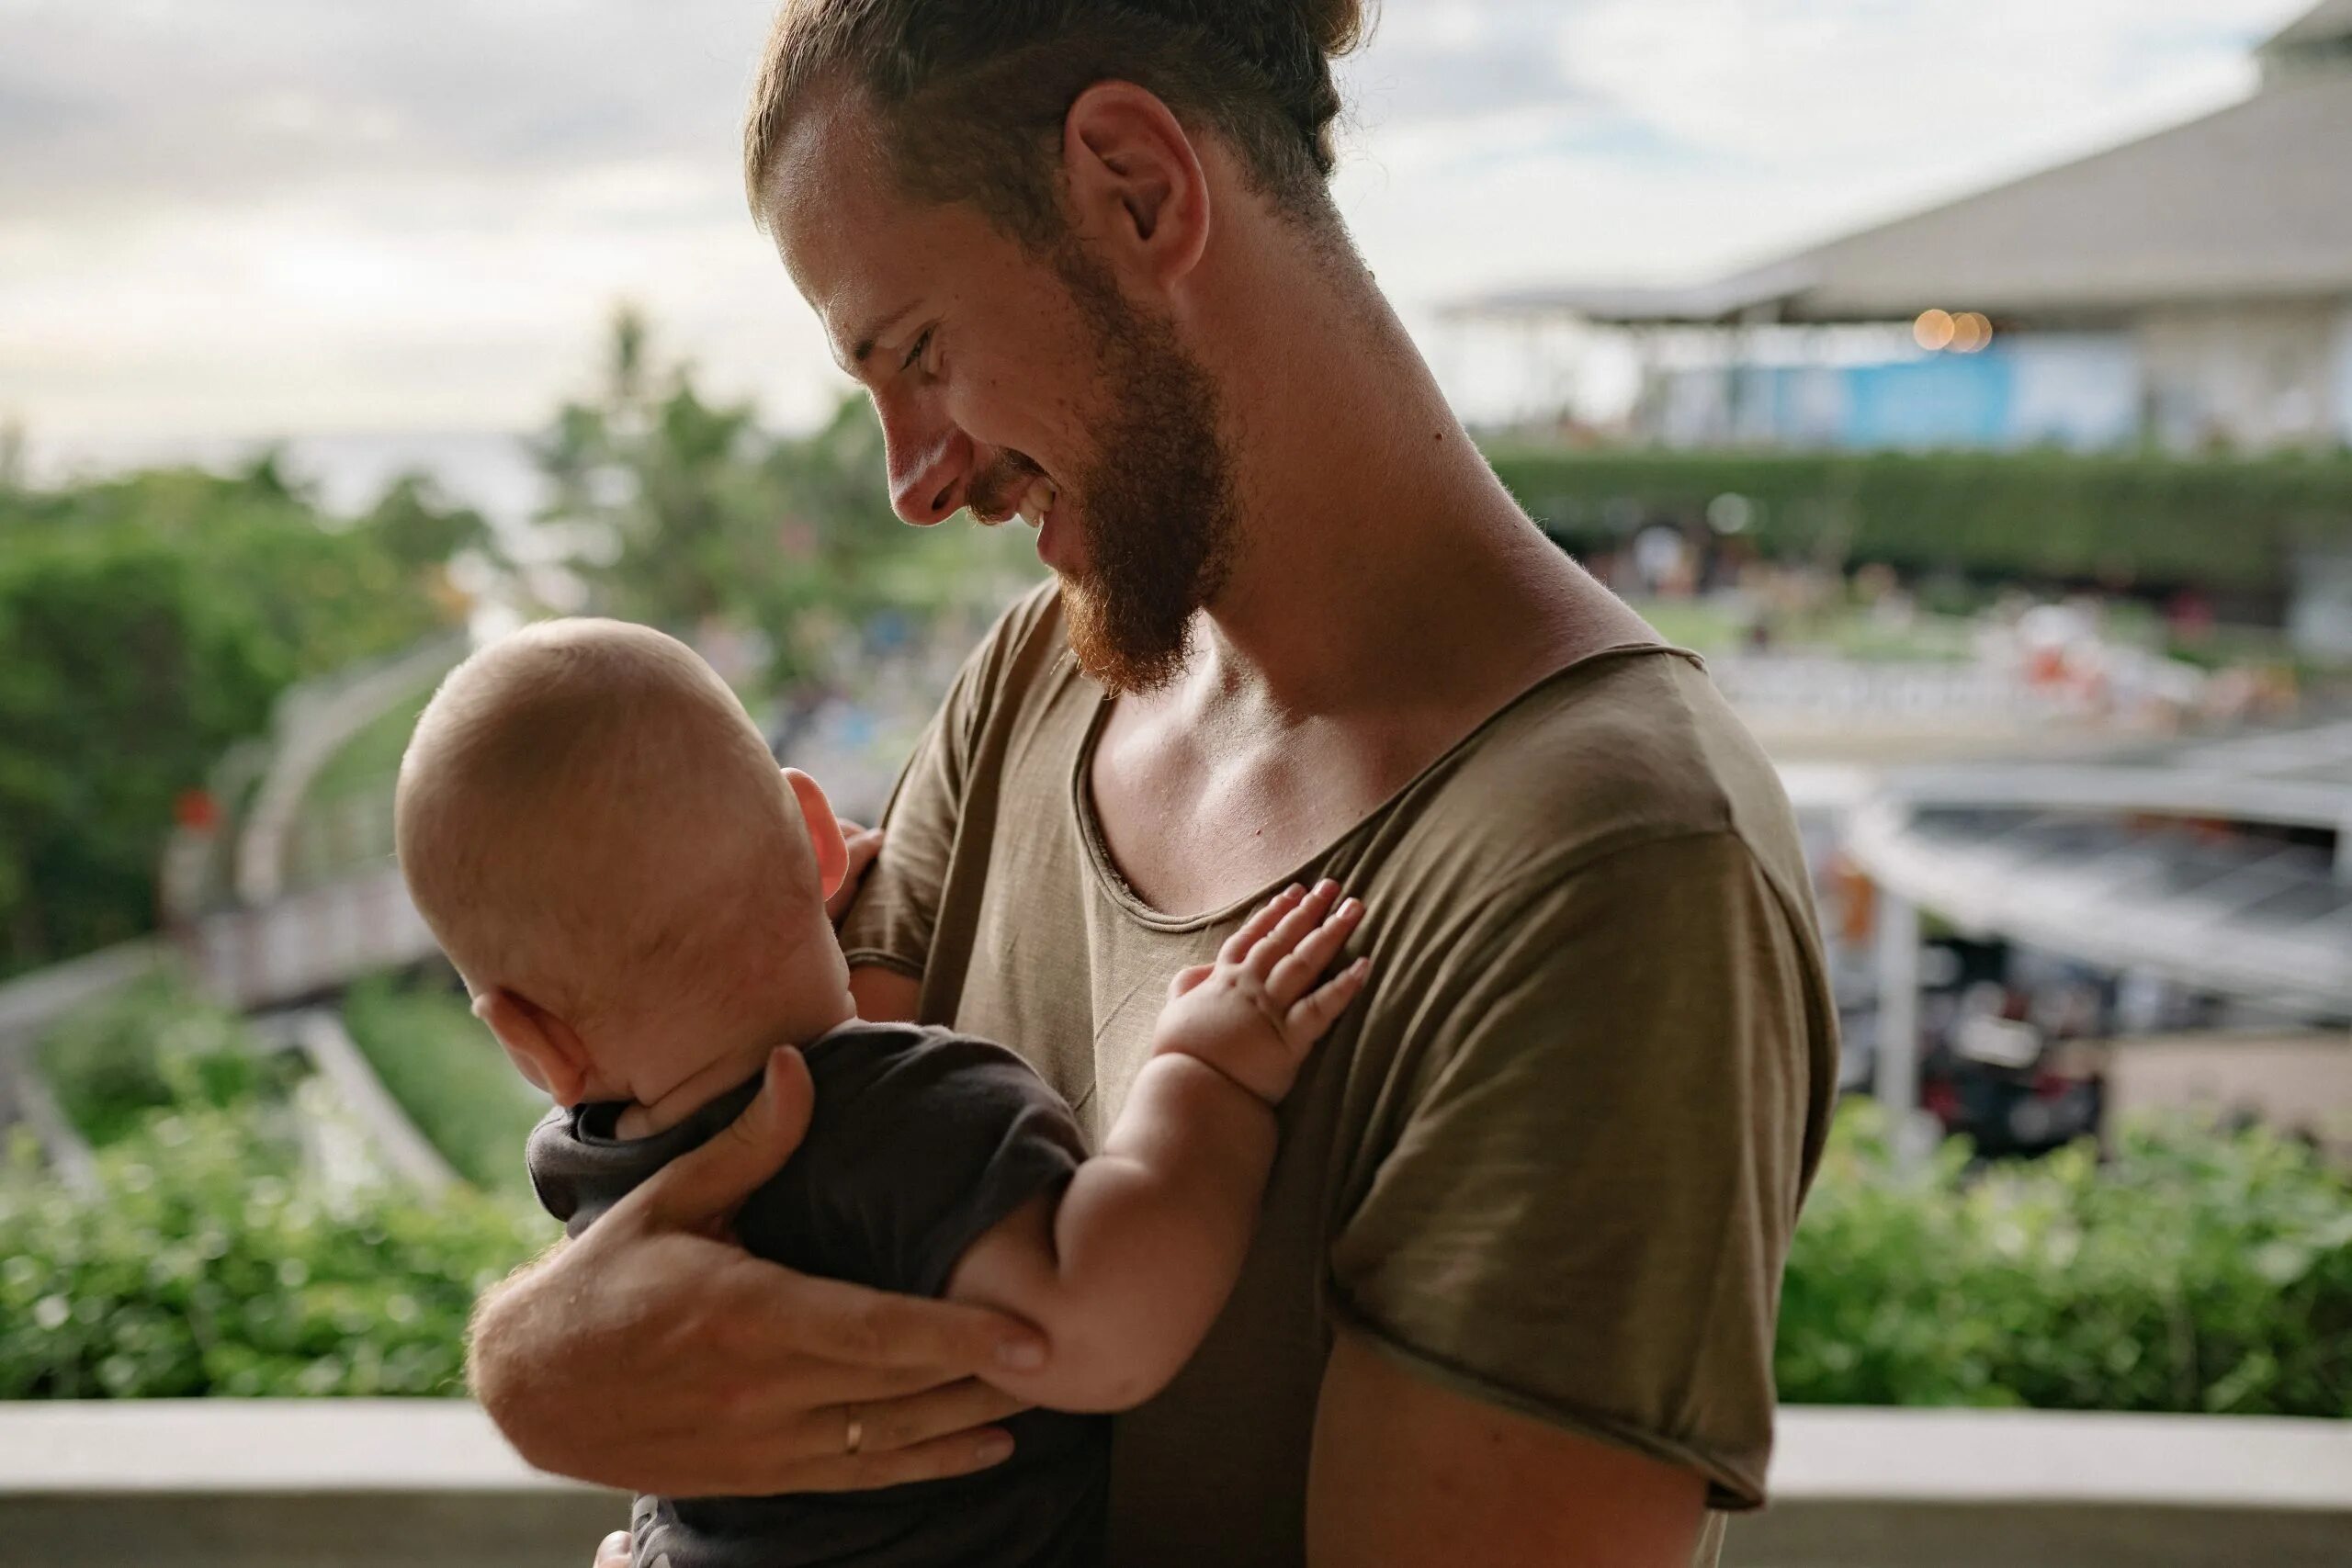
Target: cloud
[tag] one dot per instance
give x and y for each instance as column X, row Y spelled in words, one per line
column 193, row 104
column 239, row 215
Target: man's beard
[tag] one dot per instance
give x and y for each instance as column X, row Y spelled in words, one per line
column 1155, row 497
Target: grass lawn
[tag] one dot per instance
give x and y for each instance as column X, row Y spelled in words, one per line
column 448, row 1076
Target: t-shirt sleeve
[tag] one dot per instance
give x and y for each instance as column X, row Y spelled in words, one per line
column 1583, row 1211
column 897, row 911
column 922, row 1143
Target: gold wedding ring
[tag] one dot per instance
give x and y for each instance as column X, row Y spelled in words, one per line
column 854, row 1438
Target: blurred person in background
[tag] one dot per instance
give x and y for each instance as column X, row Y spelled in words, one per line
column 1514, row 1294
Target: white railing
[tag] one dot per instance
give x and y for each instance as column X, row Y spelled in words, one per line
column 376, row 1483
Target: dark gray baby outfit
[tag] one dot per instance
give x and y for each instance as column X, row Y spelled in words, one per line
column 921, row 1140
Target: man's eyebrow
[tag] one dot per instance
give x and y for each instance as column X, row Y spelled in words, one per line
column 866, row 339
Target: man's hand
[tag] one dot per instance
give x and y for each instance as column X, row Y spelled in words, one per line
column 1255, row 1013
column 864, row 844
column 655, row 1355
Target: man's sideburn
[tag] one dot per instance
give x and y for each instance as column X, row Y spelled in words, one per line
column 1157, row 498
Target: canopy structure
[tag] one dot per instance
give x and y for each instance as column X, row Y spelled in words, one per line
column 2135, row 865
column 2247, row 204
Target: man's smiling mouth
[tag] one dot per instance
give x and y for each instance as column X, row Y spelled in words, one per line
column 1037, row 502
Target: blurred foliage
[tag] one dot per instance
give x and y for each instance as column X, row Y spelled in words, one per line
column 145, row 624
column 2219, row 524
column 154, row 1045
column 2195, row 1270
column 449, row 1077
column 687, row 515
column 207, row 1264
column 210, row 1260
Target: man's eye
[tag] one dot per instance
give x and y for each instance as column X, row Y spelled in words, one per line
column 915, row 352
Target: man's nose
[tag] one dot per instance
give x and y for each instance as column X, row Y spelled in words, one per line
column 929, row 473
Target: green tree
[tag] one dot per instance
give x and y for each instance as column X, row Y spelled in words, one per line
column 147, row 622
column 687, row 515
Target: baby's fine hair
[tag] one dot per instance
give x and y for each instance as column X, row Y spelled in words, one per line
column 587, row 814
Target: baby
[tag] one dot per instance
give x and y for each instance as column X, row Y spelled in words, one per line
column 601, row 842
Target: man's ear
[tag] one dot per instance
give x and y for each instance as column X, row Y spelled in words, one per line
column 543, row 1047
column 1135, row 181
column 824, row 829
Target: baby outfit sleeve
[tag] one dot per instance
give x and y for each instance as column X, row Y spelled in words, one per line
column 922, row 1140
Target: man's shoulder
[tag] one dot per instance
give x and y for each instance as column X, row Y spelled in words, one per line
column 1629, row 746
column 1026, row 637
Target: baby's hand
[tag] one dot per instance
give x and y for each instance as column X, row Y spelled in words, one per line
column 1251, row 1014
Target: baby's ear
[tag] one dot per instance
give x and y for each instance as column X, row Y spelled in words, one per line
column 824, row 829
column 541, row 1045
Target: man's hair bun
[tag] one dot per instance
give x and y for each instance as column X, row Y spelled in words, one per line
column 1337, row 25
column 969, row 88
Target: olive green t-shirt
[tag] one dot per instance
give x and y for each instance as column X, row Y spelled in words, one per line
column 1552, row 1156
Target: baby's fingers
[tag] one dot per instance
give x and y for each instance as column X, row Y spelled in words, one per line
column 1187, row 978
column 1289, row 980
column 1237, row 946
column 1306, row 1022
column 1303, row 917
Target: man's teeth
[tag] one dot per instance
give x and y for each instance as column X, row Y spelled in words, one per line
column 1038, row 503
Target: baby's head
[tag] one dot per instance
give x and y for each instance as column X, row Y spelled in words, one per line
column 597, row 836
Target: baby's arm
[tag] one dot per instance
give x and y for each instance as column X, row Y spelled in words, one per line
column 1127, row 1271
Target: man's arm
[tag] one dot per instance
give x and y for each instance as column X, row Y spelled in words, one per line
column 1565, row 1266
column 1126, row 1273
column 742, row 1376
column 1406, row 1473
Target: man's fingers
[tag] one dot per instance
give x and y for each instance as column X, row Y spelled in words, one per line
column 816, row 1383
column 707, row 1185
column 614, row 1552
column 887, row 1425
column 1303, row 917
column 959, row 1455
column 855, row 1327
column 1307, row 962
column 1237, row 946
column 1314, row 1014
column 862, row 844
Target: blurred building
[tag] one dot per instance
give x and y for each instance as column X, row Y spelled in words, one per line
column 2203, row 887
column 2192, row 289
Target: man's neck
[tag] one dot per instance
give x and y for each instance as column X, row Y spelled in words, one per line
column 1383, row 565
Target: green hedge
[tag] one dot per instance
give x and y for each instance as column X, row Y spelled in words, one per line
column 2196, row 1271
column 2231, row 524
column 154, row 1044
column 207, row 1266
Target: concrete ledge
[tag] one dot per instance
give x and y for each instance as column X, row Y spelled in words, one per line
column 385, row 1484
column 103, row 1448
column 2050, row 1489
column 1962, row 1457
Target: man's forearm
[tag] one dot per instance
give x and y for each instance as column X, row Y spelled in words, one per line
column 496, row 1338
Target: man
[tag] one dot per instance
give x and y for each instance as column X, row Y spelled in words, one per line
column 1513, row 1296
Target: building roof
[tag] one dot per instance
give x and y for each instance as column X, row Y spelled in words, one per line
column 2245, row 204
column 2326, row 23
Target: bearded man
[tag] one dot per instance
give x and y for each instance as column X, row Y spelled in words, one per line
column 1514, row 1294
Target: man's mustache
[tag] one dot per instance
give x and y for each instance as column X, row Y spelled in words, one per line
column 995, row 494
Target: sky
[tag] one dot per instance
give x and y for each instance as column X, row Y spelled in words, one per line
column 260, row 218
